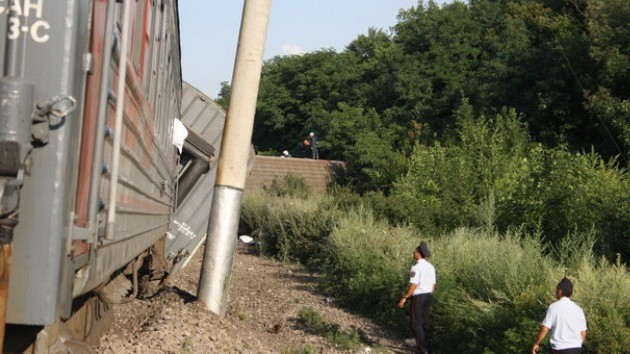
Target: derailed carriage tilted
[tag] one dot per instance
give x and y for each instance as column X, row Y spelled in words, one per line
column 197, row 171
column 88, row 97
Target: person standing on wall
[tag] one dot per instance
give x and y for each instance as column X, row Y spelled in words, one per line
column 422, row 281
column 566, row 321
column 314, row 145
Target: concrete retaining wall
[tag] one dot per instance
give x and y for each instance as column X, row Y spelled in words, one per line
column 316, row 173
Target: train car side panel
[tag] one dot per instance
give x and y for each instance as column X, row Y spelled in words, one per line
column 145, row 193
column 49, row 45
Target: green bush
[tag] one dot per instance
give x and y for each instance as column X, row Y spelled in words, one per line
column 493, row 288
column 489, row 285
column 603, row 290
column 287, row 228
column 491, row 175
column 290, row 185
column 447, row 186
column 383, row 206
column 373, row 161
column 576, row 193
column 311, row 318
column 365, row 266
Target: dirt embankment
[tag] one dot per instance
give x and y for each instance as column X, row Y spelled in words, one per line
column 265, row 299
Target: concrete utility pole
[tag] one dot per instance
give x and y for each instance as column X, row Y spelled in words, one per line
column 232, row 168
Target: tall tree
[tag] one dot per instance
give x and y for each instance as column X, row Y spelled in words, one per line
column 609, row 101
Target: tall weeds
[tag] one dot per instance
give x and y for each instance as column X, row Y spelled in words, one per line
column 493, row 287
column 366, row 264
column 288, row 229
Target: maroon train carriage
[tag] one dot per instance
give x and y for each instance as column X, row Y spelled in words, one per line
column 88, row 95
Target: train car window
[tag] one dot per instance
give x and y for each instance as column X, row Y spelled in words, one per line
column 195, row 161
column 185, row 161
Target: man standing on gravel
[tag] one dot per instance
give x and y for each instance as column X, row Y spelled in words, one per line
column 421, row 286
column 566, row 321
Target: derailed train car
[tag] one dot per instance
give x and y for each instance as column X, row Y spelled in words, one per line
column 88, row 96
column 204, row 120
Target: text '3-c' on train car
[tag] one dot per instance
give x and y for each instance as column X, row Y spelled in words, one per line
column 88, row 97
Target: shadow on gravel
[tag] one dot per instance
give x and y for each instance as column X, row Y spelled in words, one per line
column 183, row 294
column 249, row 249
column 301, row 281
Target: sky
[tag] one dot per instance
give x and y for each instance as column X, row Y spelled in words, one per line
column 209, row 31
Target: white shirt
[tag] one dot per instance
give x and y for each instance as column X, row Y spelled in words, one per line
column 566, row 320
column 423, row 274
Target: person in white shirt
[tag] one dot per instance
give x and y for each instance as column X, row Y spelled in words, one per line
column 421, row 286
column 566, row 321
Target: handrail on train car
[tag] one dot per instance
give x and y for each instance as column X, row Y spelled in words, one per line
column 101, row 118
column 122, row 72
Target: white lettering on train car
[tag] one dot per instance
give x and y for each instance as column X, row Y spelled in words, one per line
column 185, row 229
column 35, row 33
column 20, row 13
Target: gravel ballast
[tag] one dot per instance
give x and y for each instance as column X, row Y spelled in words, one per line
column 265, row 299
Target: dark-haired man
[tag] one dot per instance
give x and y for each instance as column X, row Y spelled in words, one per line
column 566, row 321
column 421, row 286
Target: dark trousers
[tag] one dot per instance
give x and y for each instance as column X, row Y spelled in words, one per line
column 567, row 351
column 420, row 321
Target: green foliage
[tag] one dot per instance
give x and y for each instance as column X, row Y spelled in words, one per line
column 604, row 293
column 297, row 94
column 346, row 126
column 287, row 228
column 314, row 321
column 311, row 318
column 375, row 163
column 607, row 23
column 363, row 268
column 447, row 186
column 290, row 185
column 224, row 95
column 491, row 174
column 489, row 286
column 187, row 346
column 493, row 288
column 575, row 192
column 563, row 66
column 308, row 349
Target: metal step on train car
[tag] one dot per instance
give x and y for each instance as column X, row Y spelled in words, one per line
column 88, row 97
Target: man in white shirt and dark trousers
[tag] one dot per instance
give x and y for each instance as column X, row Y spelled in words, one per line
column 421, row 287
column 566, row 321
